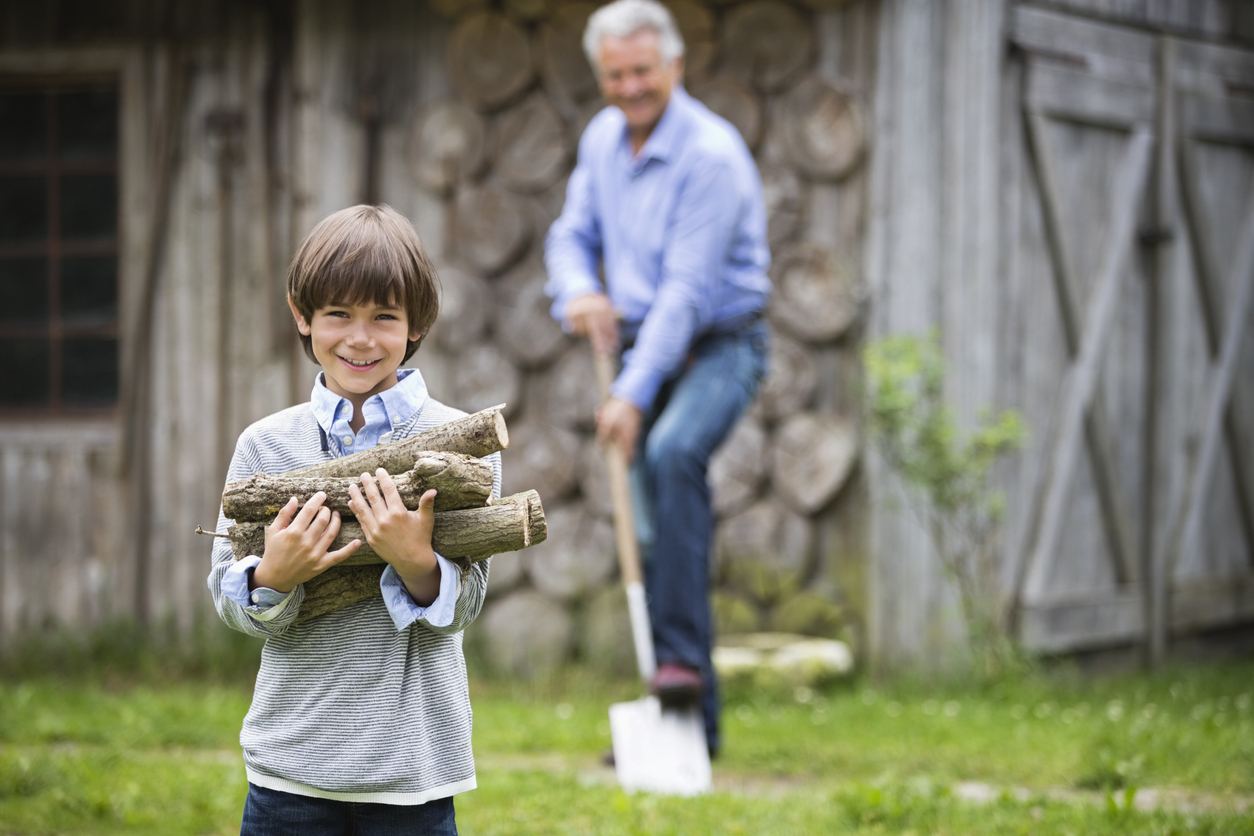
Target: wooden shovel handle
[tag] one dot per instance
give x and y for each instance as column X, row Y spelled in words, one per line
column 620, row 492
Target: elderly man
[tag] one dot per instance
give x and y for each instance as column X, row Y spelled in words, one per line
column 666, row 198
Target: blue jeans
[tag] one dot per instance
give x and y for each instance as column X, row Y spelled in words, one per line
column 275, row 813
column 691, row 417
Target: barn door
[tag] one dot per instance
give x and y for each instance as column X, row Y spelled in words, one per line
column 1136, row 515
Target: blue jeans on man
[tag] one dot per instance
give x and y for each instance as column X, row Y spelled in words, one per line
column 692, row 415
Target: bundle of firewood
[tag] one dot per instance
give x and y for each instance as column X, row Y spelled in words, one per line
column 470, row 525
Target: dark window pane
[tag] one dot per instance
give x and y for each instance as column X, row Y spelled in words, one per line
column 88, row 124
column 23, row 208
column 89, row 290
column 89, row 372
column 24, row 372
column 23, row 290
column 23, row 127
column 89, row 206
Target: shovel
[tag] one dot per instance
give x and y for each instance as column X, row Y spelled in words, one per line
column 655, row 749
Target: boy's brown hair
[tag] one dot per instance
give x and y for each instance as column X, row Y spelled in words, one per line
column 365, row 255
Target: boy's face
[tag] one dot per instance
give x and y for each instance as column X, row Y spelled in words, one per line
column 359, row 347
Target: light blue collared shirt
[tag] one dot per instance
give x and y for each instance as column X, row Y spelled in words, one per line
column 383, row 413
column 680, row 228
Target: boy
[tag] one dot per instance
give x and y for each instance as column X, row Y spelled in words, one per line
column 360, row 721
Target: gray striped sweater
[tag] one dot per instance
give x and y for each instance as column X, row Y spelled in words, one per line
column 345, row 706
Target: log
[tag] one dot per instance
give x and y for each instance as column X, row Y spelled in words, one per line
column 785, row 197
column 491, row 227
column 340, row 587
column 697, row 28
column 532, row 149
column 452, row 9
column 736, row 102
column 566, row 393
column 545, row 458
column 526, row 634
column 770, row 42
column 478, row 434
column 738, row 468
column 525, row 330
column 466, row 307
column 461, row 481
column 766, row 550
column 445, row 145
column 483, row 375
column 564, row 69
column 812, row 458
column 815, row 298
column 822, row 130
column 525, row 11
column 791, row 380
column 489, row 60
column 594, row 476
column 466, row 536
column 578, row 559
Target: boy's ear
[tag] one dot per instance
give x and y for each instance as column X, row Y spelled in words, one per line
column 414, row 335
column 301, row 324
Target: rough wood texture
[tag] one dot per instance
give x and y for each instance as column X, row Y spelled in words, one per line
column 791, row 381
column 532, row 148
column 736, row 102
column 766, row 550
column 812, row 458
column 815, row 298
column 545, row 458
column 489, row 60
column 492, row 227
column 478, row 434
column 738, row 468
column 564, row 69
column 578, row 559
column 445, row 145
column 566, row 394
column 770, row 43
column 785, row 198
column 466, row 306
column 822, row 129
column 471, row 534
column 461, row 481
column 524, row 328
column 340, row 587
column 483, row 375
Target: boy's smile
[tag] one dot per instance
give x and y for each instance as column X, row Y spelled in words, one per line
column 359, row 347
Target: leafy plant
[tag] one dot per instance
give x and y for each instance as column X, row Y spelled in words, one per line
column 946, row 472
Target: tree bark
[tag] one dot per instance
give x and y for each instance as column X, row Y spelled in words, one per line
column 467, row 535
column 340, row 587
column 478, row 434
column 460, row 481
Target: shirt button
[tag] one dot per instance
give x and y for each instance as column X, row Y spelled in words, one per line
column 256, row 598
column 348, row 439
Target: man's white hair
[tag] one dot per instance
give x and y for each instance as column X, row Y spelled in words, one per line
column 624, row 18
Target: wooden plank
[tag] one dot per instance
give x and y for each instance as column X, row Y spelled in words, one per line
column 1115, row 51
column 1116, row 513
column 1225, row 120
column 1081, row 381
column 1214, row 602
column 1065, row 93
column 1073, row 624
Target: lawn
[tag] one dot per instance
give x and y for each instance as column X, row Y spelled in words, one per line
column 147, row 752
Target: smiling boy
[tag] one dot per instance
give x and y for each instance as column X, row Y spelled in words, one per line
column 360, row 721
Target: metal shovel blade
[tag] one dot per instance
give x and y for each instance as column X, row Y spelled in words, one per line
column 659, row 751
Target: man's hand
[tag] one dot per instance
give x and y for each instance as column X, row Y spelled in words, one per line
column 618, row 421
column 593, row 316
column 400, row 536
column 297, row 543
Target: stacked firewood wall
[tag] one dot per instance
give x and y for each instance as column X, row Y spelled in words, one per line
column 498, row 152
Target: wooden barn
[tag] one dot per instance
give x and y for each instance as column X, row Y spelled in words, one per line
column 1063, row 190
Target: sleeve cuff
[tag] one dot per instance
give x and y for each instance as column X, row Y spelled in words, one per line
column 262, row 604
column 405, row 611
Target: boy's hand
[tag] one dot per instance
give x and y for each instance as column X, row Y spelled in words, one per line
column 297, row 543
column 399, row 536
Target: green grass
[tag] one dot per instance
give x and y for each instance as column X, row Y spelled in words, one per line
column 154, row 750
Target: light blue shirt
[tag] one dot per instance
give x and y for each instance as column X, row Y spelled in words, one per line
column 680, row 229
column 384, row 411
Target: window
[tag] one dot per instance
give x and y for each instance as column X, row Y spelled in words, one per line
column 58, row 247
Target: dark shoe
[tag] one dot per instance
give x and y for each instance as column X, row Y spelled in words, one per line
column 676, row 686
